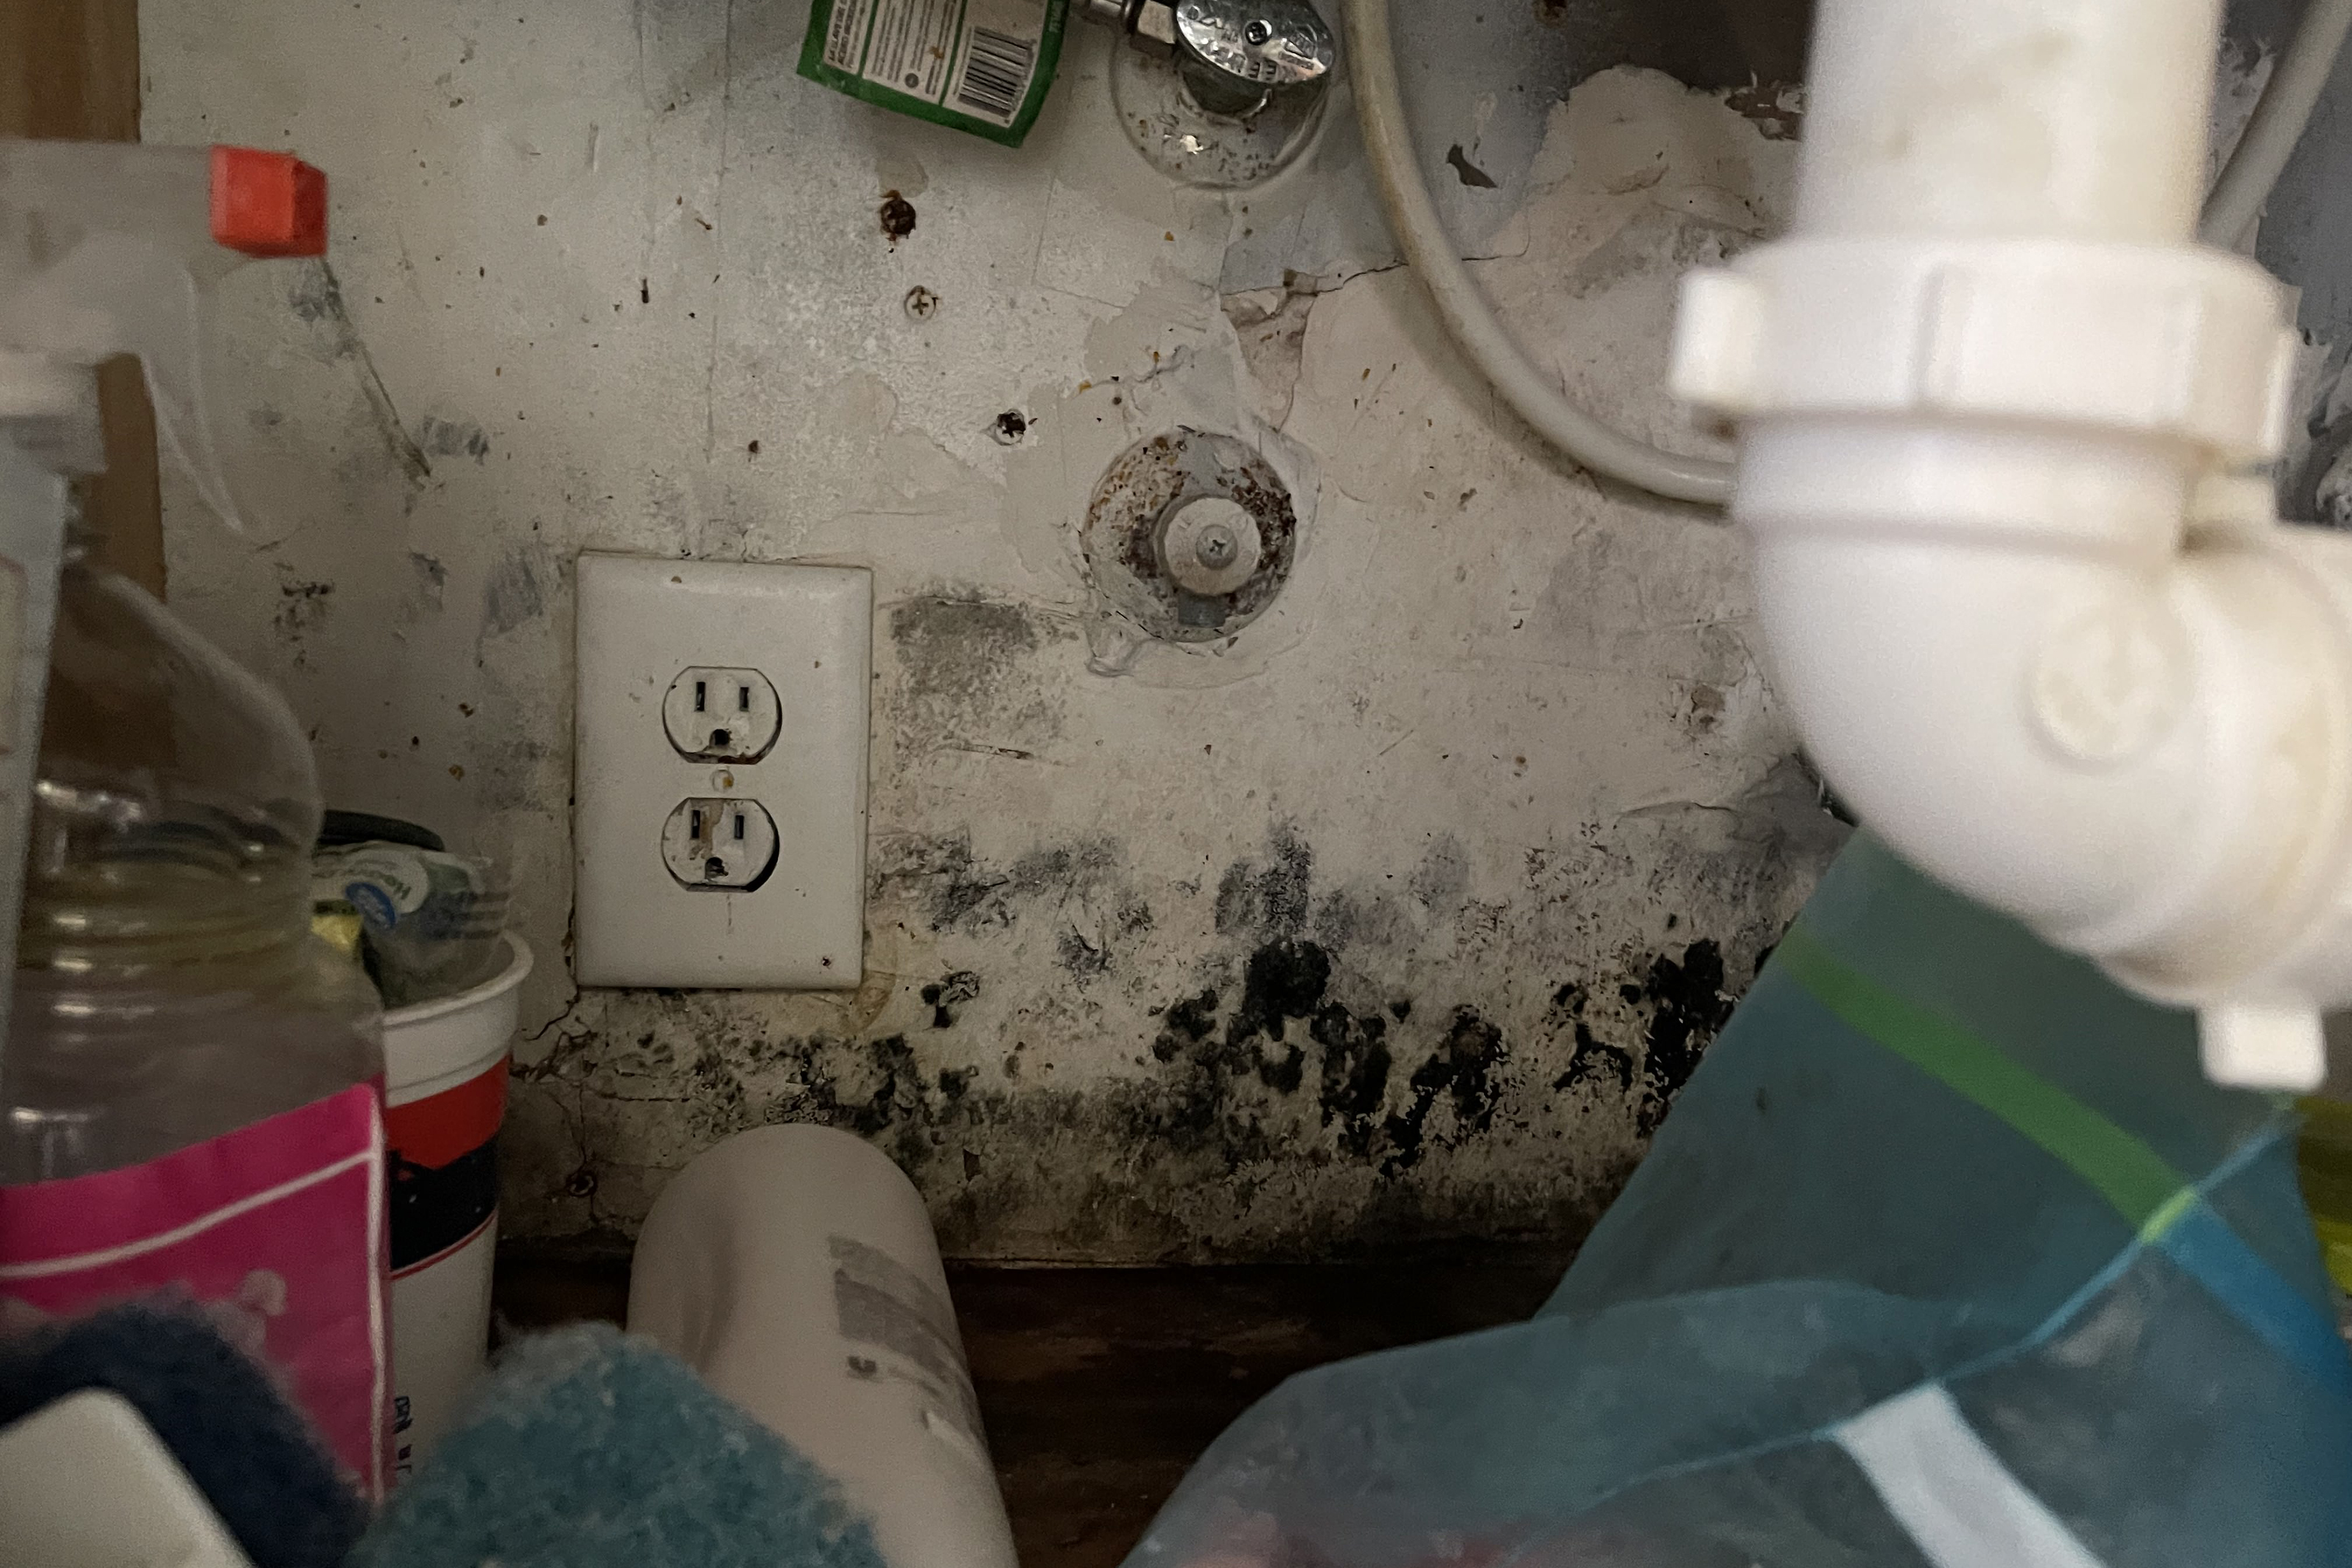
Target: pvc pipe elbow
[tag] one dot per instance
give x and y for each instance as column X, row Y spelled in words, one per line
column 2045, row 657
column 2150, row 763
column 1985, row 396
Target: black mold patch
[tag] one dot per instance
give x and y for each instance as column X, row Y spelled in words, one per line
column 1284, row 980
column 1690, row 1008
column 1283, row 1073
column 945, row 995
column 896, row 1098
column 1015, row 1168
column 957, row 891
column 1594, row 1061
column 1269, row 896
column 1462, row 1071
column 1189, row 1023
column 1289, row 1102
column 1355, row 1080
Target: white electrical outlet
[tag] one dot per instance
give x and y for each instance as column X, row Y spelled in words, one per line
column 720, row 841
column 720, row 772
column 721, row 715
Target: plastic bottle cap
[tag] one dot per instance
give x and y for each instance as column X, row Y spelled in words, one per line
column 267, row 204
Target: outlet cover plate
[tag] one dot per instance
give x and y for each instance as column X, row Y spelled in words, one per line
column 809, row 630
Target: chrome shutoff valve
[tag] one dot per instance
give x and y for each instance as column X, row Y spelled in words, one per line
column 1234, row 54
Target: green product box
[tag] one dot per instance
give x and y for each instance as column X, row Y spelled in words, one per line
column 981, row 66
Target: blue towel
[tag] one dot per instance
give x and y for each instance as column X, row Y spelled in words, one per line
column 590, row 1449
column 255, row 1457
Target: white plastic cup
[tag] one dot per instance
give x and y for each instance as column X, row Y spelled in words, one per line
column 794, row 1269
column 444, row 1095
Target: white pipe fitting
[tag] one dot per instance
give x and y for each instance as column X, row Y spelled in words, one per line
column 1987, row 391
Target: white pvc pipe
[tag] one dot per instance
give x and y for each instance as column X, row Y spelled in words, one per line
column 1985, row 386
column 795, row 1270
column 2006, row 117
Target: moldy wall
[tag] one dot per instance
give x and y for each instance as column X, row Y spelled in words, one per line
column 1397, row 921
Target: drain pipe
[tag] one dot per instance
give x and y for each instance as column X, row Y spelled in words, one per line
column 1991, row 394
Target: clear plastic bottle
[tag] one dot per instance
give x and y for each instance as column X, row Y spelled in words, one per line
column 168, row 989
column 191, row 1085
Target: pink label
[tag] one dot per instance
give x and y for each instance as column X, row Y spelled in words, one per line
column 277, row 1229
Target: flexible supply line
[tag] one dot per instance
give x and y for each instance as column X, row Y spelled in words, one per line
column 1469, row 320
column 2254, row 168
column 2277, row 123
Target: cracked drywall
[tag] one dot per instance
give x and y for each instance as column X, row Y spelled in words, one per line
column 1395, row 919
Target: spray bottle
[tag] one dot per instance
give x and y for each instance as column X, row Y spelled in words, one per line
column 190, row 1085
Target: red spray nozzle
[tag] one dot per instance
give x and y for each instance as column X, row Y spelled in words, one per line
column 267, row 204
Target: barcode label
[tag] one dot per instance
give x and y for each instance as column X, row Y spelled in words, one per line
column 981, row 65
column 995, row 74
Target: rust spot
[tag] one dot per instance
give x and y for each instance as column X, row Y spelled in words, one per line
column 897, row 216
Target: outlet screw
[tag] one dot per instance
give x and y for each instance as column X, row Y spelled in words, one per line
column 1216, row 547
column 1258, row 32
